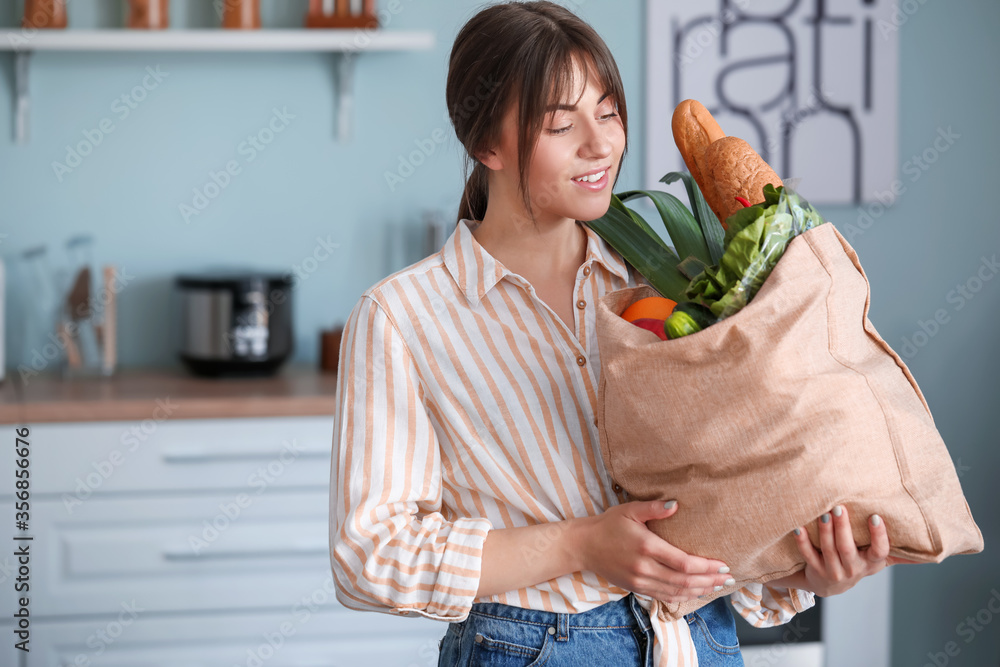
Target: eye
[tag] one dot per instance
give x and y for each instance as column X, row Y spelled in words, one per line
column 560, row 130
column 609, row 108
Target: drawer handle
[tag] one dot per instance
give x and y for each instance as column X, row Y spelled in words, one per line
column 200, row 454
column 298, row 549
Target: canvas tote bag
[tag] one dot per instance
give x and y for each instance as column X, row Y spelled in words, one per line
column 765, row 420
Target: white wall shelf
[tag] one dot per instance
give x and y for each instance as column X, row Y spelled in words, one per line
column 344, row 44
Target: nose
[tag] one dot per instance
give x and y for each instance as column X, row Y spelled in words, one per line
column 597, row 142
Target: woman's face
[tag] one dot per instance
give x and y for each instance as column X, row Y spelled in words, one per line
column 577, row 157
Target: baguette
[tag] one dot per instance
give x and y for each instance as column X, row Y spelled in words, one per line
column 723, row 167
column 736, row 170
column 694, row 131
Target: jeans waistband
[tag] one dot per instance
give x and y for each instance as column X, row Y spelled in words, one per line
column 625, row 611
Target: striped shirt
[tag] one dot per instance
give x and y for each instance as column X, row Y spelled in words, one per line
column 465, row 403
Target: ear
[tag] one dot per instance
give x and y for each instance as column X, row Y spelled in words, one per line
column 491, row 160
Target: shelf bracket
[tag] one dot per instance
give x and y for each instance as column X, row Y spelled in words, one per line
column 21, row 99
column 345, row 95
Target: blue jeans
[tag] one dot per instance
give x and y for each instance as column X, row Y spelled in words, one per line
column 615, row 634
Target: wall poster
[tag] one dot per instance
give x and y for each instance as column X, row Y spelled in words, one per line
column 812, row 85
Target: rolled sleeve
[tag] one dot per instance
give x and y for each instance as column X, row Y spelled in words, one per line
column 392, row 550
column 765, row 606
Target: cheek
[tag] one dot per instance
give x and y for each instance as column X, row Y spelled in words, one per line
column 618, row 137
column 551, row 167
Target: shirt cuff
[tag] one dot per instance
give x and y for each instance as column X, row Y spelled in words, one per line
column 765, row 606
column 801, row 599
column 458, row 575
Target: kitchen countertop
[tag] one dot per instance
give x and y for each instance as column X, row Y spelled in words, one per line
column 134, row 393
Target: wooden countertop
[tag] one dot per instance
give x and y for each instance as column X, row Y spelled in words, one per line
column 134, row 393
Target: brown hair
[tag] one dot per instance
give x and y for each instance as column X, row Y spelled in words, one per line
column 518, row 52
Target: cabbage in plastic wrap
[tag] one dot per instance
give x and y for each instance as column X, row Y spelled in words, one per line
column 755, row 240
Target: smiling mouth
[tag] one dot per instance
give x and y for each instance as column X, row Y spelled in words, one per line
column 591, row 178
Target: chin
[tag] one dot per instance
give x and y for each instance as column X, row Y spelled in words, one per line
column 591, row 212
column 576, row 207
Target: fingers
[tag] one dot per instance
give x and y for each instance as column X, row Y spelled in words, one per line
column 647, row 510
column 809, row 553
column 828, row 545
column 686, row 564
column 878, row 551
column 844, row 537
column 672, row 585
column 666, row 553
column 670, row 573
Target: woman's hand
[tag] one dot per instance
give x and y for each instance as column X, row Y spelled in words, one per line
column 618, row 546
column 838, row 564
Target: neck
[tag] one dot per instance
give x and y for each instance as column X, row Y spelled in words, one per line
column 532, row 249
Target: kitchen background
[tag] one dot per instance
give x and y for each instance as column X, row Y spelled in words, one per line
column 326, row 211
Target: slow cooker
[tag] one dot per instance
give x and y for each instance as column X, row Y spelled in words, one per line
column 235, row 322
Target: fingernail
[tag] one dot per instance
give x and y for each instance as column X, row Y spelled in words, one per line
column 825, row 518
column 718, row 588
column 838, row 510
column 730, row 581
column 724, row 569
column 798, row 531
column 669, row 505
column 876, row 519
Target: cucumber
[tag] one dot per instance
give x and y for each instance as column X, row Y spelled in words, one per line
column 680, row 324
column 688, row 317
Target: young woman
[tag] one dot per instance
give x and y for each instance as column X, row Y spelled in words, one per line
column 467, row 478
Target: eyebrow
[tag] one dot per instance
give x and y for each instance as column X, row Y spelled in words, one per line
column 572, row 107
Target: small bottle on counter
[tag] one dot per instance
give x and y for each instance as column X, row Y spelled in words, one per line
column 148, row 14
column 241, row 14
column 44, row 14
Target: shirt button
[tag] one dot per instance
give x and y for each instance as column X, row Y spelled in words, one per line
column 617, row 488
column 581, row 361
column 581, row 304
column 586, row 270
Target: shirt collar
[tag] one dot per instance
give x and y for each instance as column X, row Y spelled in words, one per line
column 476, row 271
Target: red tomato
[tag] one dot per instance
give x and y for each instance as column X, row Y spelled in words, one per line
column 649, row 324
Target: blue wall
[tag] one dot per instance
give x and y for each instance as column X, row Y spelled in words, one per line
column 306, row 186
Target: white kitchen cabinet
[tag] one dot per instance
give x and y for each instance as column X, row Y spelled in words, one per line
column 206, row 543
column 275, row 639
column 80, row 459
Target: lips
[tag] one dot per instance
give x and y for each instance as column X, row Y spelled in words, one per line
column 596, row 179
column 592, row 177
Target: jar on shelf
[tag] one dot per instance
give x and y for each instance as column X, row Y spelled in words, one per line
column 44, row 14
column 341, row 14
column 241, row 14
column 148, row 14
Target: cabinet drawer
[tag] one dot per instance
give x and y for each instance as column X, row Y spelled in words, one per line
column 84, row 459
column 175, row 553
column 277, row 639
